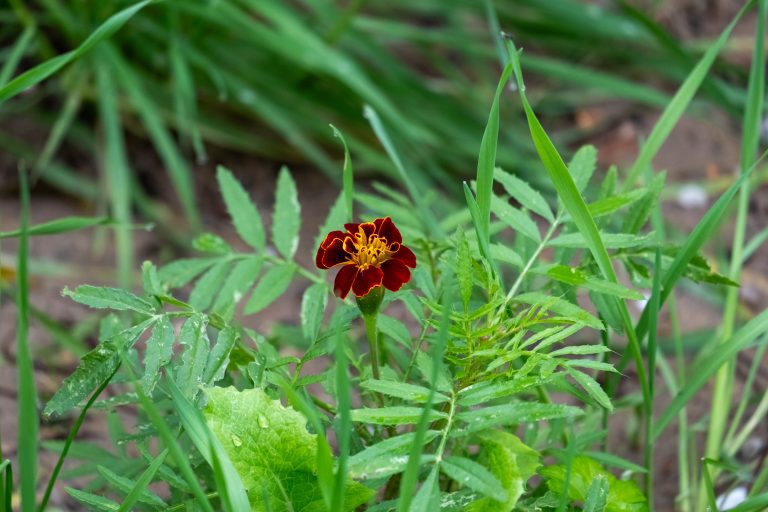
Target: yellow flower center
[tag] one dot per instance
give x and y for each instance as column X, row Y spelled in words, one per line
column 369, row 251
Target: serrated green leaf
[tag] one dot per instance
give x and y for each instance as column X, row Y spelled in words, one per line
column 102, row 297
column 408, row 392
column 610, row 240
column 158, row 353
column 641, row 210
column 591, row 386
column 511, row 462
column 518, row 220
column 272, row 451
column 286, row 220
column 393, row 415
column 577, row 277
column 513, row 414
column 524, row 194
column 181, row 272
column 243, row 212
column 612, row 203
column 561, row 307
column 485, row 391
column 505, row 254
column 428, row 497
column 425, row 365
column 211, row 244
column 194, row 335
column 370, row 461
column 241, row 277
column 218, row 359
column 272, row 285
column 470, row 474
column 93, row 369
column 464, row 268
column 151, row 279
column 597, row 495
column 209, row 285
column 92, row 501
column 582, row 166
column 313, row 304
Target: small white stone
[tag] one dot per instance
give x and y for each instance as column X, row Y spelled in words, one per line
column 692, row 196
column 731, row 498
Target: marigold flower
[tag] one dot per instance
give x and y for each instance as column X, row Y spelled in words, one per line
column 371, row 255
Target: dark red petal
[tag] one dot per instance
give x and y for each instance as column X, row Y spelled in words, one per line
column 387, row 230
column 369, row 228
column 330, row 237
column 366, row 280
column 349, row 245
column 351, row 227
column 344, row 280
column 406, row 256
column 334, row 254
column 396, row 274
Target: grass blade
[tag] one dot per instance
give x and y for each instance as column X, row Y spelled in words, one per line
column 42, row 71
column 28, row 421
column 680, row 101
column 347, row 179
column 17, row 52
column 142, row 482
column 58, row 226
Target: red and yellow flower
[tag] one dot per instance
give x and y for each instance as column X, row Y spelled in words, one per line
column 370, row 254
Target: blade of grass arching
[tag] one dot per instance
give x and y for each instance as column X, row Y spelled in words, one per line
column 344, row 425
column 179, row 172
column 746, row 397
column 70, row 439
column 575, row 205
column 347, row 177
column 42, row 71
column 754, row 244
column 427, row 217
column 486, row 160
column 17, row 52
column 175, row 450
column 58, row 226
column 411, row 473
column 142, row 482
column 483, row 237
column 750, row 139
column 28, row 421
column 753, row 504
column 676, row 107
column 707, row 367
column 115, row 166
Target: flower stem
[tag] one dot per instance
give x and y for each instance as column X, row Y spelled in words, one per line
column 372, row 332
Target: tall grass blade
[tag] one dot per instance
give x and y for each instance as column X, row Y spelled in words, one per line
column 347, row 177
column 17, row 52
column 42, row 71
column 142, row 482
column 679, row 103
column 28, row 420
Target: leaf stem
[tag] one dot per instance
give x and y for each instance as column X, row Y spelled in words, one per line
column 372, row 332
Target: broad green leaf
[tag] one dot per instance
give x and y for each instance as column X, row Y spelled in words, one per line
column 591, row 386
column 194, row 335
column 92, row 501
column 109, row 298
column 93, row 369
column 151, row 280
column 506, row 255
column 158, row 353
column 241, row 277
column 524, row 194
column 126, row 484
column 582, row 166
column 286, row 220
column 623, row 495
column 272, row 451
column 408, row 392
column 394, row 415
column 597, row 495
column 58, row 226
column 511, row 462
column 181, row 272
column 243, row 212
column 271, row 286
column 518, row 220
column 209, row 285
column 218, row 359
column 470, row 474
column 313, row 304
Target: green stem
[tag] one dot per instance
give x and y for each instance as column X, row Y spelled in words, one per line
column 372, row 332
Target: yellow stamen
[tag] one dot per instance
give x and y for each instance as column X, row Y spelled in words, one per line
column 371, row 251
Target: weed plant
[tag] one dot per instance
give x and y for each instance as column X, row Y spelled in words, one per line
column 484, row 376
